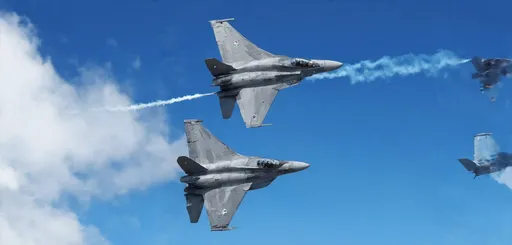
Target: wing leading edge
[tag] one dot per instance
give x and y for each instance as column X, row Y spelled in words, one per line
column 222, row 204
column 255, row 102
column 234, row 48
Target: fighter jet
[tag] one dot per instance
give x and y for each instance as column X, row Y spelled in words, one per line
column 489, row 71
column 488, row 158
column 220, row 177
column 252, row 76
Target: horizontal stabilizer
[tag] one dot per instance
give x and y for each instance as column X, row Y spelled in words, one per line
column 194, row 207
column 468, row 164
column 227, row 105
column 190, row 166
column 217, row 68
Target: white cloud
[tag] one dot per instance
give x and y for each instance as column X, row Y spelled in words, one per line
column 111, row 42
column 137, row 63
column 47, row 152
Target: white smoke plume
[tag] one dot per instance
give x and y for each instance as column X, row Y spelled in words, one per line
column 152, row 104
column 47, row 154
column 385, row 67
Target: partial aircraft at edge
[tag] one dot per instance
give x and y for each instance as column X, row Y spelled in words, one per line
column 488, row 158
column 252, row 76
column 489, row 71
column 220, row 177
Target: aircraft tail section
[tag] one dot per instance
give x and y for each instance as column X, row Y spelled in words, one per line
column 217, row 68
column 203, row 147
column 235, row 48
column 194, row 206
column 227, row 105
column 468, row 164
column 478, row 64
column 189, row 166
column 485, row 147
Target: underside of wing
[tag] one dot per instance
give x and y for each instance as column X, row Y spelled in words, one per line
column 254, row 104
column 204, row 147
column 234, row 48
column 222, row 204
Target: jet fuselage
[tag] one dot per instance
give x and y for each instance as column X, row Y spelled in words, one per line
column 271, row 71
column 251, row 170
column 496, row 163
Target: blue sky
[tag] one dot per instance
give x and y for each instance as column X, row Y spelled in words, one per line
column 383, row 154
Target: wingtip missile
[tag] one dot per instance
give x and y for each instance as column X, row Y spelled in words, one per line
column 259, row 125
column 223, row 228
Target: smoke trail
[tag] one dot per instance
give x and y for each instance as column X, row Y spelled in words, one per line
column 409, row 64
column 152, row 104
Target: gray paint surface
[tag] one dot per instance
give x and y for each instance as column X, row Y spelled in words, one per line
column 489, row 71
column 487, row 156
column 218, row 178
column 251, row 76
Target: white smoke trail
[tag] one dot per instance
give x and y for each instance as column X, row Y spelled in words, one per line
column 409, row 64
column 152, row 104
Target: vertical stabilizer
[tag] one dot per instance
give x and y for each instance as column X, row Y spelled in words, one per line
column 194, row 206
column 204, row 147
column 485, row 147
column 227, row 105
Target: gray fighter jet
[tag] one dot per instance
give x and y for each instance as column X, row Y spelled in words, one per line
column 252, row 76
column 220, row 177
column 488, row 158
column 489, row 71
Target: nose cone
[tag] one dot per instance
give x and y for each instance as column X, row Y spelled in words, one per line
column 330, row 65
column 292, row 166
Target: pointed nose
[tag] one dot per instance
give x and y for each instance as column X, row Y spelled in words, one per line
column 330, row 65
column 299, row 166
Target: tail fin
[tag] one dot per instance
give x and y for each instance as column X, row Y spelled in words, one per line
column 478, row 64
column 485, row 147
column 205, row 148
column 218, row 68
column 194, row 206
column 189, row 166
column 227, row 105
column 468, row 164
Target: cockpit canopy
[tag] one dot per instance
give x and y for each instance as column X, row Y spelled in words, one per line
column 304, row 63
column 268, row 163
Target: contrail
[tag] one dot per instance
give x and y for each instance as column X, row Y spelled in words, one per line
column 152, row 104
column 409, row 64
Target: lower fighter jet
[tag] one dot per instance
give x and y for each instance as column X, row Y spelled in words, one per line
column 489, row 71
column 488, row 157
column 220, row 177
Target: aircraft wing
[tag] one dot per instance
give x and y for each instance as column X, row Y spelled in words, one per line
column 254, row 104
column 222, row 203
column 478, row 64
column 234, row 48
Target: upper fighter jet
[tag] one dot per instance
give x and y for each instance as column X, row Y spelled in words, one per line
column 252, row 76
column 489, row 71
column 488, row 158
column 220, row 177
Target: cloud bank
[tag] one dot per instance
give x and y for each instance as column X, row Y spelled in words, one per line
column 46, row 153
